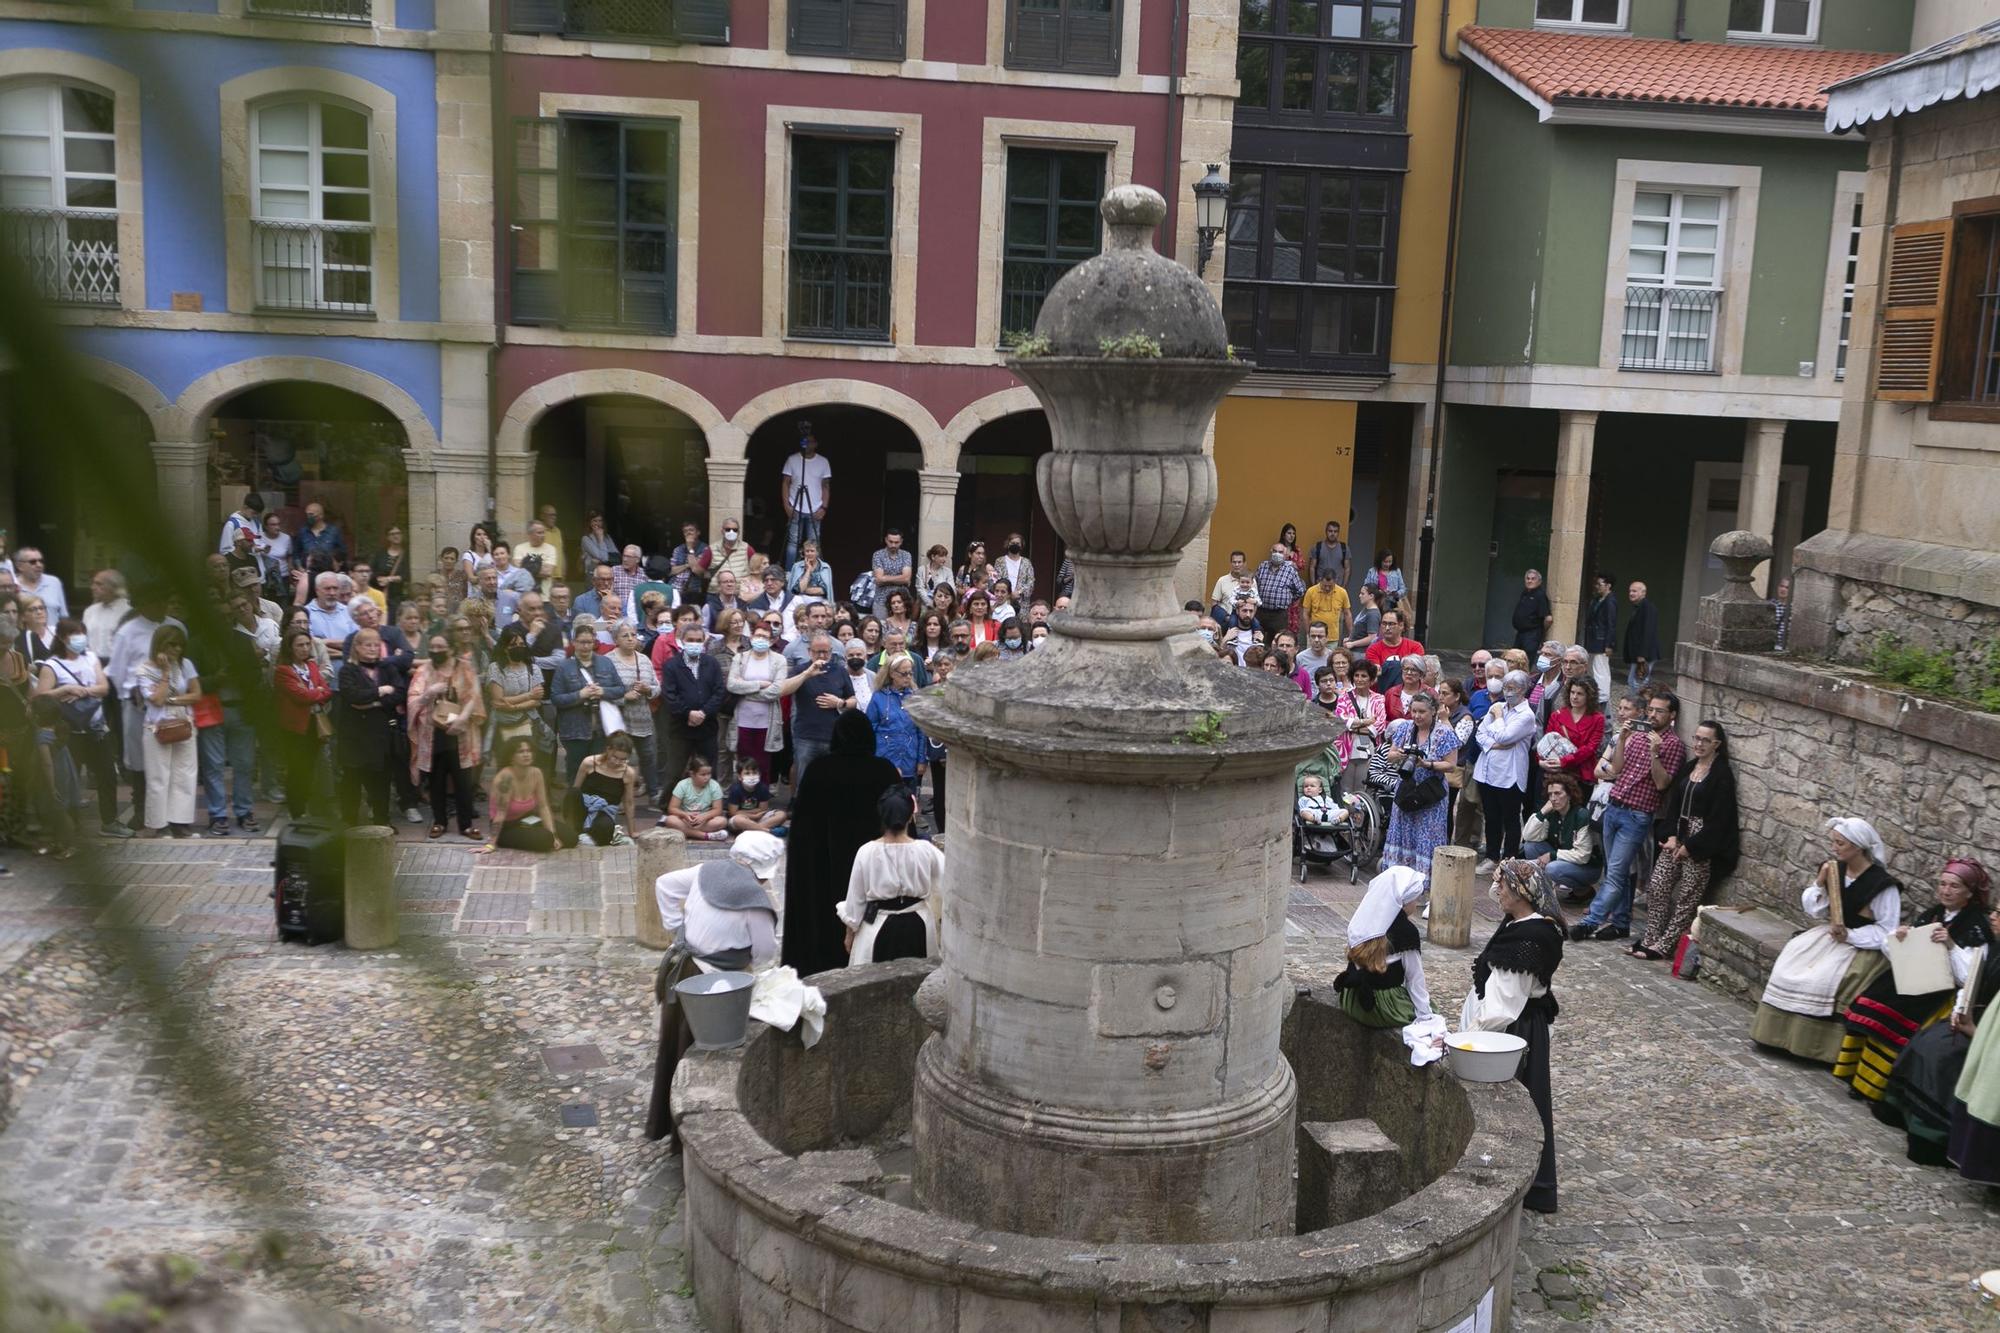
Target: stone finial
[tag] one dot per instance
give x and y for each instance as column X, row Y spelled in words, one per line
column 1132, row 296
column 1740, row 552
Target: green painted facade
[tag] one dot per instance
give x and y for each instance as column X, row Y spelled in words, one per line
column 1844, row 25
column 1536, row 234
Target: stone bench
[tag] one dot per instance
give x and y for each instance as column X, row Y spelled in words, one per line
column 1347, row 1169
column 1738, row 948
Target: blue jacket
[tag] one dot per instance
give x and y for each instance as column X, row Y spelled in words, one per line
column 576, row 719
column 897, row 736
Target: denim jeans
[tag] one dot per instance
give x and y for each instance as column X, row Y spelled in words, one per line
column 1625, row 834
column 234, row 743
column 802, row 527
column 804, row 751
column 1568, row 875
column 574, row 751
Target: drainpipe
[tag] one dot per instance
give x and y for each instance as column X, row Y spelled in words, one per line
column 503, row 160
column 1167, row 173
column 1427, row 539
column 1680, row 20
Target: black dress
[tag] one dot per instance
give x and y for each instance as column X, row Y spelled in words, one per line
column 1923, row 1081
column 1884, row 1020
column 1532, row 945
column 367, row 732
column 833, row 814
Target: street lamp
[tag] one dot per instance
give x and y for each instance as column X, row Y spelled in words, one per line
column 1211, row 210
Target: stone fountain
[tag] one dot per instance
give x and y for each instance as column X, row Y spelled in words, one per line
column 1095, row 1117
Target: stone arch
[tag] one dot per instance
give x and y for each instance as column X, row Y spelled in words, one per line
column 168, row 421
column 940, row 450
column 517, row 426
column 201, row 398
column 991, row 408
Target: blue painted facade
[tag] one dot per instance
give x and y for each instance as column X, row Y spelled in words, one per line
column 181, row 76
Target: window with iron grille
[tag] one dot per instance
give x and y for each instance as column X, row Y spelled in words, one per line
column 1052, row 226
column 595, row 223
column 59, row 189
column 870, row 29
column 312, row 220
column 702, row 22
column 320, row 11
column 1076, row 35
column 1318, row 61
column 1673, row 282
column 843, row 199
column 1310, row 268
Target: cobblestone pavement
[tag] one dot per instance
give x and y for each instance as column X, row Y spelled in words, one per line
column 451, row 1141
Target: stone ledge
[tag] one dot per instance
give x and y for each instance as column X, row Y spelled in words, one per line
column 1738, row 947
column 1904, row 562
column 1831, row 688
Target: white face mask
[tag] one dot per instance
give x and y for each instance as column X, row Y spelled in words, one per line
column 760, row 644
column 729, row 534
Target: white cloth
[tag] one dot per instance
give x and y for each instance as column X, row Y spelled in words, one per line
column 1414, row 980
column 1863, row 835
column 712, row 930
column 809, row 475
column 1424, row 1038
column 1806, row 978
column 170, row 774
column 147, row 674
column 1388, row 894
column 884, row 871
column 1504, row 736
column 781, row 1000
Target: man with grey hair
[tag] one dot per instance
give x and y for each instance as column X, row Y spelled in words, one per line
column 1532, row 614
column 396, row 648
column 824, row 690
column 328, row 618
column 108, row 605
column 818, row 619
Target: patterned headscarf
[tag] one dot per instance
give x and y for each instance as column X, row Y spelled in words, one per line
column 1972, row 875
column 1533, row 883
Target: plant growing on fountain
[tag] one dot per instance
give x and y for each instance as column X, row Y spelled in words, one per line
column 1022, row 343
column 1208, row 731
column 1134, row 346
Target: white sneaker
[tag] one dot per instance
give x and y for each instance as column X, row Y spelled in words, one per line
column 585, row 840
column 1484, row 868
column 720, row 835
column 412, row 815
column 620, row 838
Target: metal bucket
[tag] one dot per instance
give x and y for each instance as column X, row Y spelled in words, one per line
column 717, row 1005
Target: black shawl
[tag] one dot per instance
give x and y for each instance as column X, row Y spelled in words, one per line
column 1533, row 945
column 833, row 814
column 1861, row 891
column 1403, row 937
column 1968, row 930
column 1713, row 802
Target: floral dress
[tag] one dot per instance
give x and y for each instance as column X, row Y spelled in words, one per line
column 1415, row 834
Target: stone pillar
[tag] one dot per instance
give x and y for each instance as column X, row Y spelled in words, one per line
column 1737, row 619
column 182, row 472
column 370, row 889
column 513, row 492
column 1108, row 1068
column 1452, row 889
column 458, row 491
column 661, row 851
column 422, row 533
column 937, row 513
column 1569, row 519
column 1757, row 497
column 725, row 491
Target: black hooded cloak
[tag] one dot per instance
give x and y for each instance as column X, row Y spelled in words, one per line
column 833, row 814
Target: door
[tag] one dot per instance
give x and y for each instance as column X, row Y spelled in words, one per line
column 1523, row 504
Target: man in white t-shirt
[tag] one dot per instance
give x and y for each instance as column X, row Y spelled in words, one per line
column 804, row 490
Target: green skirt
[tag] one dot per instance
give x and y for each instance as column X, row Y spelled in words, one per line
column 1393, row 1008
column 1818, row 1038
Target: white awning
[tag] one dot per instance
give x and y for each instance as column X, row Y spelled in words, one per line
column 1967, row 66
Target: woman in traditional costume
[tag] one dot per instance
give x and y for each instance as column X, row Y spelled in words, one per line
column 1383, row 986
column 834, row 813
column 1823, row 969
column 1510, row 993
column 1918, row 1097
column 1972, row 1142
column 1882, row 1020
column 895, row 893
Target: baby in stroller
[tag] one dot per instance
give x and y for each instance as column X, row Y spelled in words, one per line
column 1323, row 821
column 1329, row 827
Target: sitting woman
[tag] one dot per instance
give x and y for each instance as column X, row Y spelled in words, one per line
column 1882, row 1021
column 695, row 808
column 895, row 893
column 1383, row 986
column 1919, row 1096
column 1511, row 993
column 1823, row 969
column 1558, row 838
column 748, row 804
column 517, row 809
column 605, row 789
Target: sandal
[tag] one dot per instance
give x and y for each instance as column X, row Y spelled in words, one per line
column 437, row 831
column 1650, row 955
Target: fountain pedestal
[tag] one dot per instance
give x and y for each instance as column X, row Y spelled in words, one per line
column 1113, row 976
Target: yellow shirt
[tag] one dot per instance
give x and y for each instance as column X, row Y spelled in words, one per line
column 1328, row 607
column 377, row 596
column 552, row 565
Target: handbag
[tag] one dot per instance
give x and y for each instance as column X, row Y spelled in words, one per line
column 1555, row 747
column 84, row 716
column 1419, row 790
column 173, row 731
column 322, row 725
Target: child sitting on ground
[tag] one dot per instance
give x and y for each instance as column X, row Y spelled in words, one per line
column 695, row 808
column 748, row 804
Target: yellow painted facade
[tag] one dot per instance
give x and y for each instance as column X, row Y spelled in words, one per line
column 1427, row 186
column 1286, row 460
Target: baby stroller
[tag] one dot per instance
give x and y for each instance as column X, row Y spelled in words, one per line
column 1352, row 834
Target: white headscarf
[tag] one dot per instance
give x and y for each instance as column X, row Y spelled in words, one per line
column 1863, row 835
column 1388, row 894
column 759, row 852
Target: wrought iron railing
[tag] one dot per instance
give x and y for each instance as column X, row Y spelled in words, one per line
column 1671, row 328
column 1024, row 285
column 320, row 11
column 70, row 254
column 839, row 294
column 703, row 22
column 325, row 267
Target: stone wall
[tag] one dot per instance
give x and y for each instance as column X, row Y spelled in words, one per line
column 1810, row 742
column 1867, row 611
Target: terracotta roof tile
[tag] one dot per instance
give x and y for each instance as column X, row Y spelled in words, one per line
column 1569, row 66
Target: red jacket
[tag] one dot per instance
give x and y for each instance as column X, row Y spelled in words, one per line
column 296, row 697
column 1587, row 735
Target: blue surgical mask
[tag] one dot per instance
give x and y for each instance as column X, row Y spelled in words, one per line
column 760, row 644
column 79, row 643
column 1543, row 664
column 1207, row 634
column 695, row 649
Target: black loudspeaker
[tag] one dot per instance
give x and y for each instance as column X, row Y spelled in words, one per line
column 310, row 892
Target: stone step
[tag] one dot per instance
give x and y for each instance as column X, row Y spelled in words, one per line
column 1347, row 1169
column 1738, row 947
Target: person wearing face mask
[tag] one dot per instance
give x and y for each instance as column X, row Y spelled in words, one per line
column 693, row 689
column 1505, row 736
column 731, row 554
column 858, row 673
column 446, row 722
column 755, row 679
column 1017, row 569
column 1012, row 646
column 515, row 695
column 75, row 680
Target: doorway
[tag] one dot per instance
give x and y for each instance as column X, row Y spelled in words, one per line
column 1523, row 505
column 1717, row 489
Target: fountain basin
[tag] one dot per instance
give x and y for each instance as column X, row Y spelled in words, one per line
column 793, row 1217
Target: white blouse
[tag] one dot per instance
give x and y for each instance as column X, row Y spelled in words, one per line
column 1507, row 994
column 1886, row 907
column 887, row 870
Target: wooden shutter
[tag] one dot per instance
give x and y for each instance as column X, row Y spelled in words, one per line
column 1908, row 349
column 536, row 293
column 1090, row 39
column 1036, row 41
column 703, row 21
column 875, row 28
column 818, row 26
column 535, row 16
